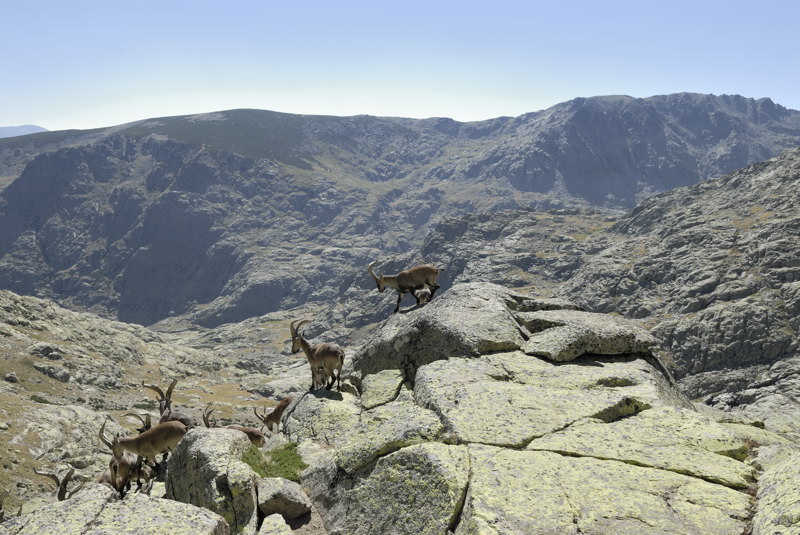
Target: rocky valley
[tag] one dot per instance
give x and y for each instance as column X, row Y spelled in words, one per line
column 612, row 349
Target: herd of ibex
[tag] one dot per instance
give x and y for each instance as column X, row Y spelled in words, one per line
column 134, row 458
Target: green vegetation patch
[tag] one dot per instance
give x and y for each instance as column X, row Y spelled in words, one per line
column 282, row 462
column 39, row 399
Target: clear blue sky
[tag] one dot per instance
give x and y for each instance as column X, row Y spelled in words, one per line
column 83, row 64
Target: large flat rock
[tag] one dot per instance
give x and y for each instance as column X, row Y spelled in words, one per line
column 97, row 510
column 669, row 438
column 544, row 493
column 508, row 399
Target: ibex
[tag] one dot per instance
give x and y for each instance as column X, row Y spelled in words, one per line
column 61, row 492
column 165, row 405
column 159, row 439
column 416, row 278
column 257, row 438
column 274, row 417
column 126, row 466
column 423, row 295
column 330, row 357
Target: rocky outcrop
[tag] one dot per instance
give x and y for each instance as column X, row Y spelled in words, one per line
column 274, row 525
column 206, row 470
column 779, row 497
column 713, row 269
column 459, row 420
column 282, row 497
column 97, row 510
column 464, row 425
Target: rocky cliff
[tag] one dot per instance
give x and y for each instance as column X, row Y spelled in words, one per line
column 220, row 217
column 714, row 269
column 486, row 411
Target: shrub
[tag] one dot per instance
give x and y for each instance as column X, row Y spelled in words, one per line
column 283, row 461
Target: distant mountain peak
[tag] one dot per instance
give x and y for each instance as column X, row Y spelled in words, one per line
column 13, row 131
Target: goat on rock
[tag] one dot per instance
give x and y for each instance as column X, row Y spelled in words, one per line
column 330, row 357
column 411, row 281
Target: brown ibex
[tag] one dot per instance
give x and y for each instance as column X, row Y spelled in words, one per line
column 159, row 439
column 274, row 417
column 165, row 405
column 257, row 438
column 416, row 278
column 330, row 357
column 123, row 468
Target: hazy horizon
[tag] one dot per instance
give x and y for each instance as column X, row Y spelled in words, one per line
column 89, row 64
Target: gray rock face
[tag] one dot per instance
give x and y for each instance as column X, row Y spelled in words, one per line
column 206, row 470
column 283, row 497
column 564, row 335
column 97, row 510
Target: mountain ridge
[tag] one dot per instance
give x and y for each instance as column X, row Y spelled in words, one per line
column 162, row 217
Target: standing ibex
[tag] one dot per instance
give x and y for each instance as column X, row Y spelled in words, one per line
column 165, row 405
column 159, row 439
column 274, row 417
column 330, row 357
column 416, row 278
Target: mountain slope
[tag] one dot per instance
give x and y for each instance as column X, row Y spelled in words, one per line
column 224, row 216
column 715, row 269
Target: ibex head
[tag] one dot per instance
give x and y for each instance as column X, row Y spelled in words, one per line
column 378, row 280
column 112, row 444
column 296, row 336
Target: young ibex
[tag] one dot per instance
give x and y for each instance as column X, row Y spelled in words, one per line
column 257, row 438
column 274, row 417
column 423, row 295
column 165, row 405
column 330, row 357
column 61, row 492
column 416, row 278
